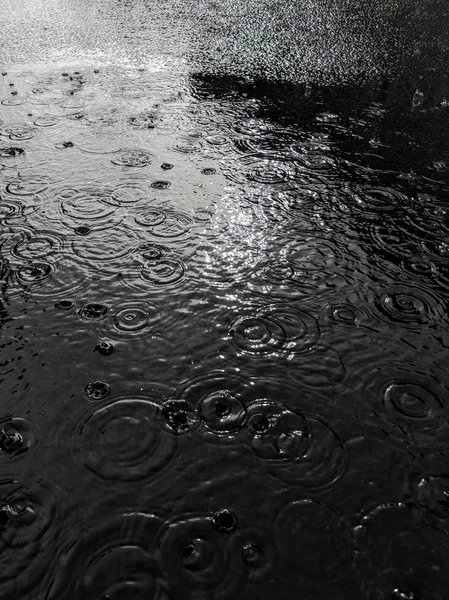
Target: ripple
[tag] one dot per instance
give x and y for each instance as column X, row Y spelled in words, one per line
column 409, row 306
column 187, row 146
column 125, row 193
column 11, row 210
column 343, row 315
column 164, row 224
column 133, row 319
column 133, row 157
column 30, row 246
column 310, row 538
column 193, row 560
column 438, row 250
column 278, row 328
column 270, row 173
column 372, row 200
column 164, row 272
column 28, row 536
column 122, row 441
column 411, row 403
column 144, row 120
column 16, row 437
column 51, row 280
column 84, row 206
column 113, row 560
column 276, row 432
column 27, row 186
column 20, row 132
column 99, row 142
column 251, row 554
column 394, row 242
column 299, row 450
column 105, row 251
column 13, row 101
column 222, row 412
column 34, row 272
column 432, row 494
column 46, row 121
column 406, row 583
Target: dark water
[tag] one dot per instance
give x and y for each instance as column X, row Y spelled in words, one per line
column 224, row 300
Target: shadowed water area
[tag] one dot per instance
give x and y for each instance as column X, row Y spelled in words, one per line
column 224, row 256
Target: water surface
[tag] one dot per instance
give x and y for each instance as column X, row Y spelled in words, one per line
column 224, row 277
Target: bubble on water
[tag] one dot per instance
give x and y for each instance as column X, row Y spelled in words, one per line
column 94, row 310
column 104, row 348
column 112, row 560
column 178, row 417
column 11, row 152
column 208, row 171
column 160, row 185
column 133, row 157
column 65, row 304
column 166, row 166
column 97, row 390
column 82, row 230
column 122, row 441
column 224, row 521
